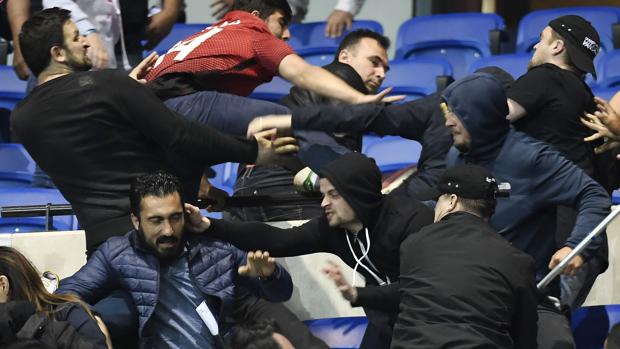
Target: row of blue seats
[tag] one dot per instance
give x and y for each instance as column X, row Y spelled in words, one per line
column 460, row 38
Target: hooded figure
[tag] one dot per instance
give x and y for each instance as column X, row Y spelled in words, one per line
column 373, row 250
column 540, row 177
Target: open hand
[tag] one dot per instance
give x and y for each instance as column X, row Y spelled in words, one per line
column 337, row 22
column 332, row 270
column 195, row 221
column 260, row 264
column 139, row 72
column 380, row 97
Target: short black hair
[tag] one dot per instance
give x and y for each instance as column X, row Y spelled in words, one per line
column 481, row 207
column 613, row 339
column 158, row 184
column 255, row 335
column 354, row 37
column 39, row 34
column 265, row 7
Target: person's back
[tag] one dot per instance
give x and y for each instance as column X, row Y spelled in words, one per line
column 464, row 286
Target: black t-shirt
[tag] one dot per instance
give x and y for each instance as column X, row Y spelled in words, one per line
column 555, row 99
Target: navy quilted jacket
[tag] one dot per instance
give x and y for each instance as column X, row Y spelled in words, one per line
column 124, row 262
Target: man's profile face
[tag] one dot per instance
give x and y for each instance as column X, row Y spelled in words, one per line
column 460, row 135
column 337, row 211
column 278, row 26
column 542, row 50
column 161, row 223
column 75, row 48
column 369, row 59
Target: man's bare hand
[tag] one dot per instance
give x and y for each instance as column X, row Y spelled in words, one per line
column 195, row 222
column 608, row 115
column 337, row 22
column 139, row 72
column 282, row 123
column 220, row 7
column 332, row 270
column 271, row 150
column 380, row 97
column 572, row 266
column 97, row 52
column 260, row 264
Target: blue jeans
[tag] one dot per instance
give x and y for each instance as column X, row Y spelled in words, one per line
column 225, row 112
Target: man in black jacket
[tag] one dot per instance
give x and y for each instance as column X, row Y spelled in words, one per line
column 462, row 285
column 360, row 225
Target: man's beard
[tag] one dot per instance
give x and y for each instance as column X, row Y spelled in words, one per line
column 79, row 65
column 165, row 254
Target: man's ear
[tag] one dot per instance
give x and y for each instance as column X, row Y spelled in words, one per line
column 255, row 13
column 344, row 56
column 558, row 46
column 57, row 54
column 454, row 200
column 4, row 286
column 135, row 221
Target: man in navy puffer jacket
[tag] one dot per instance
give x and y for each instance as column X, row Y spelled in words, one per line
column 182, row 283
column 540, row 178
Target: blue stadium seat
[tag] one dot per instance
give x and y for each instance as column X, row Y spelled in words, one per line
column 16, row 166
column 608, row 69
column 393, row 153
column 272, row 91
column 308, row 39
column 225, row 176
column 601, row 17
column 12, row 89
column 515, row 64
column 461, row 38
column 179, row 32
column 605, row 93
column 416, row 77
column 590, row 325
column 340, row 333
column 32, row 196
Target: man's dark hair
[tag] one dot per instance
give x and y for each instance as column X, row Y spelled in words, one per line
column 265, row 7
column 255, row 335
column 39, row 34
column 613, row 339
column 354, row 37
column 158, row 184
column 481, row 207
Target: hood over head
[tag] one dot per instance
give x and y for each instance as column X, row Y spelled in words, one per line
column 479, row 101
column 358, row 179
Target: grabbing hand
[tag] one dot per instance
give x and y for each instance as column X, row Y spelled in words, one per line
column 195, row 222
column 572, row 266
column 608, row 115
column 139, row 72
column 337, row 22
column 271, row 149
column 260, row 264
column 380, row 97
column 332, row 270
column 97, row 52
column 220, row 8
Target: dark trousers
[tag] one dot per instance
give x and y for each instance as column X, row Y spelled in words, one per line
column 119, row 314
column 554, row 330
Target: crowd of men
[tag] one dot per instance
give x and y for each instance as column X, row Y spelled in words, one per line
column 509, row 182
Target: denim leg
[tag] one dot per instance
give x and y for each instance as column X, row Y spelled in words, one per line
column 225, row 112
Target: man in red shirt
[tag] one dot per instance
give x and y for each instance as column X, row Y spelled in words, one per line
column 245, row 49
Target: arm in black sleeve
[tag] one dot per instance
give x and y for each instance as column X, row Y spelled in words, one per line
column 173, row 131
column 377, row 297
column 250, row 236
column 523, row 329
column 399, row 120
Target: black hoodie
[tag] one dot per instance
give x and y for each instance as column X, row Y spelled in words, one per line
column 389, row 221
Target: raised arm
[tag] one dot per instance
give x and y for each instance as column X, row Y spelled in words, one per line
column 18, row 12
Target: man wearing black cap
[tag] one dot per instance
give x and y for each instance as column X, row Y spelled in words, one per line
column 547, row 103
column 462, row 285
column 361, row 226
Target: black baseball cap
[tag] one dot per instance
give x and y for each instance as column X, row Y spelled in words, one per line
column 467, row 181
column 581, row 38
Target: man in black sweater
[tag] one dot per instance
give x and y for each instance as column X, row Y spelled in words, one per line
column 360, row 225
column 462, row 285
column 94, row 132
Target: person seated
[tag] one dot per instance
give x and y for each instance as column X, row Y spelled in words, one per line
column 22, row 293
column 183, row 285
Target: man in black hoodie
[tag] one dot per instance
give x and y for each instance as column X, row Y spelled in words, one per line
column 360, row 225
column 462, row 285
